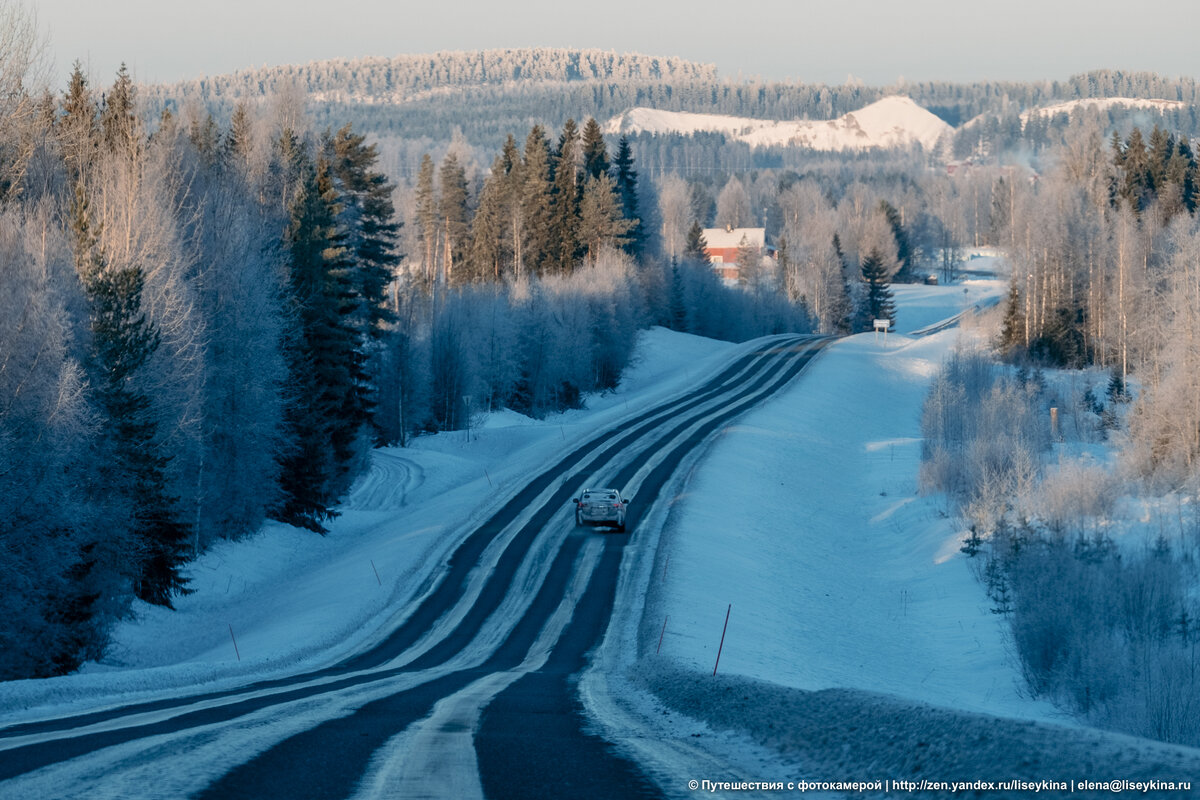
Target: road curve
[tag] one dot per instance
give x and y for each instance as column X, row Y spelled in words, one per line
column 479, row 677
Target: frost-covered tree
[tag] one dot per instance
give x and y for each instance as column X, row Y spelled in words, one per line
column 733, row 205
column 675, row 212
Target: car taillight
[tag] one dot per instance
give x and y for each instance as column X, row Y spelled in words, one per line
column 616, row 505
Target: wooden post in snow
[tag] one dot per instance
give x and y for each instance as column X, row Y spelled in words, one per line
column 722, row 647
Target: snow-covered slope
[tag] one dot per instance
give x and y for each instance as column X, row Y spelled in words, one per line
column 1102, row 104
column 891, row 122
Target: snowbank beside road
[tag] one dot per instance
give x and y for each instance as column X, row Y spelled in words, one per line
column 805, row 516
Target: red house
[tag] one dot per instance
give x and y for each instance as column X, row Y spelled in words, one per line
column 723, row 243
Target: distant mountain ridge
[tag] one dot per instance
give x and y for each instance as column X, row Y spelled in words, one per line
column 487, row 95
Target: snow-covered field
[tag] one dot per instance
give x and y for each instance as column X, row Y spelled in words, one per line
column 806, row 519
column 891, row 122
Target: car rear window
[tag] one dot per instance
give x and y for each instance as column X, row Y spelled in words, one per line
column 597, row 496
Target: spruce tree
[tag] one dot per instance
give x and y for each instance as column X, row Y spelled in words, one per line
column 1181, row 171
column 568, row 189
column 119, row 122
column 488, row 229
column 512, row 187
column 122, row 341
column 239, row 141
column 601, row 223
column 453, row 217
column 783, row 263
column 626, row 179
column 903, row 249
column 368, row 193
column 749, row 263
column 537, row 194
column 696, row 248
column 1135, row 184
column 205, row 136
column 677, row 304
column 1160, row 146
column 1012, row 331
column 323, row 361
column 364, row 197
column 595, row 152
column 78, row 130
column 879, row 303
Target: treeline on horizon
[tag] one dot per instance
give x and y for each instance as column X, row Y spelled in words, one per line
column 488, row 94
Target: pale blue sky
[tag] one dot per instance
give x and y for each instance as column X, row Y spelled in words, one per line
column 812, row 40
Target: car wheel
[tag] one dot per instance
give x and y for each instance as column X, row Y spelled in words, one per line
column 621, row 527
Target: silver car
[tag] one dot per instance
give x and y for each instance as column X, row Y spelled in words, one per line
column 601, row 507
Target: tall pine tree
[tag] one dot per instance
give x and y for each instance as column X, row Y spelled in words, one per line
column 537, row 197
column 454, row 219
column 568, row 190
column 324, row 414
column 595, row 152
column 696, row 248
column 600, row 221
column 879, row 304
column 626, row 180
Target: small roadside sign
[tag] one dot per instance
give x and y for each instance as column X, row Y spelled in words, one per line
column 882, row 325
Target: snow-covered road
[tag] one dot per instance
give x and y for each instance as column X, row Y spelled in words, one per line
column 494, row 613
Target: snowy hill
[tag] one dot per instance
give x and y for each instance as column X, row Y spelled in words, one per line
column 894, row 121
column 1102, row 104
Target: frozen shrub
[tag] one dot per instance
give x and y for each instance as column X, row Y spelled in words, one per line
column 1075, row 492
column 982, row 432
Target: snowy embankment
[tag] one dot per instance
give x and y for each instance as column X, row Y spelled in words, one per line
column 805, row 516
column 295, row 600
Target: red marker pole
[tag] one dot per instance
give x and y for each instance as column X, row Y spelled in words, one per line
column 722, row 647
column 660, row 636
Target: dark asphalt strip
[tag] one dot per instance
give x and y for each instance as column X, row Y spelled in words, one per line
column 329, row 760
column 533, row 739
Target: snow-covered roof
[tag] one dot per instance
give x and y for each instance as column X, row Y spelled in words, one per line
column 732, row 237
